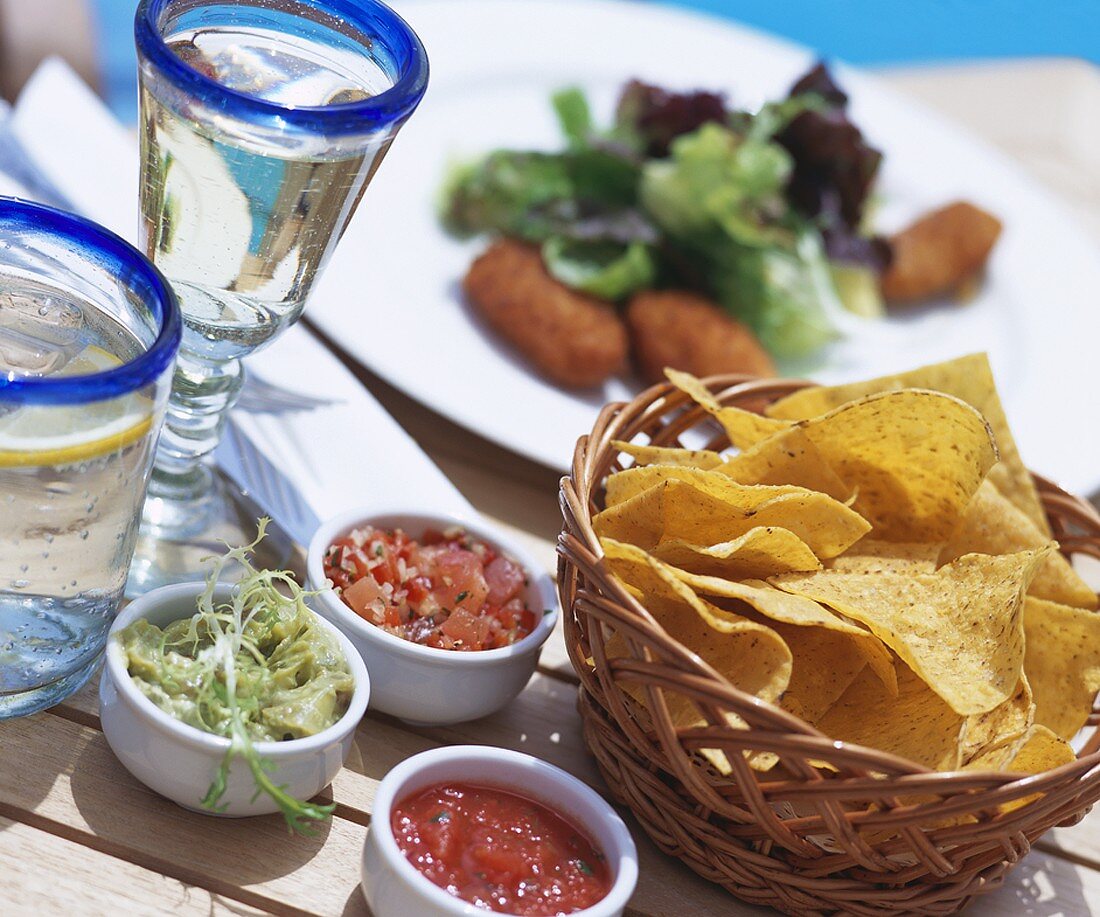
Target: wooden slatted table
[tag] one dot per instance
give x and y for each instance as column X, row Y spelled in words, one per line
column 79, row 835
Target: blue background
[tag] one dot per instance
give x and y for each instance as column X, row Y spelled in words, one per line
column 859, row 31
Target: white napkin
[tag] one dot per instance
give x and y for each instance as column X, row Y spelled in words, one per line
column 345, row 454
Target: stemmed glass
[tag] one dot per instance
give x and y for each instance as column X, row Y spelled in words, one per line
column 262, row 123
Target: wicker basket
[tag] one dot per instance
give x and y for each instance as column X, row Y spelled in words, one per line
column 881, row 835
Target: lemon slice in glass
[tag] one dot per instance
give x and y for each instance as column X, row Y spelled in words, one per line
column 63, row 434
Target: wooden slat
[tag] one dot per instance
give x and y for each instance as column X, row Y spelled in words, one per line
column 1080, row 843
column 62, row 777
column 555, row 660
column 1044, row 886
column 542, row 721
column 44, row 874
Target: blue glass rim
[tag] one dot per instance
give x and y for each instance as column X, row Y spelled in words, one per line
column 364, row 116
column 109, row 251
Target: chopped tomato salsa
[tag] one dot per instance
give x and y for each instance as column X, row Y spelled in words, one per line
column 500, row 851
column 448, row 590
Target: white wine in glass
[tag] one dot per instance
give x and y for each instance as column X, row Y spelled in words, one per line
column 262, row 123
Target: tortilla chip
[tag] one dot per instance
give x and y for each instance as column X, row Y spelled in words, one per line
column 683, row 713
column 1062, row 661
column 758, row 554
column 1040, row 752
column 993, row 525
column 788, row 457
column 871, row 556
column 969, row 378
column 960, row 628
column 914, row 457
column 750, row 655
column 677, row 509
column 789, row 608
column 670, row 455
column 825, row 663
column 744, row 428
column 916, row 724
column 631, row 482
column 998, row 735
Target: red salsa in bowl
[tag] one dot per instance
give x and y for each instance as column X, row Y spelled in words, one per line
column 446, row 590
column 500, row 851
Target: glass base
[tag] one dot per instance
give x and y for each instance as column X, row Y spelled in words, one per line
column 27, row 702
column 179, row 532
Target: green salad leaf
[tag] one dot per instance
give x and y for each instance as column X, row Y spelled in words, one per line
column 574, row 115
column 608, row 270
column 507, row 192
column 257, row 668
column 784, row 294
column 719, row 200
column 714, row 176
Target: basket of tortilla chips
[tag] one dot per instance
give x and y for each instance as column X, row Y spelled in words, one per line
column 832, row 650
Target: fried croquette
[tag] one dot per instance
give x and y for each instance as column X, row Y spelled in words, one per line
column 688, row 332
column 573, row 339
column 939, row 253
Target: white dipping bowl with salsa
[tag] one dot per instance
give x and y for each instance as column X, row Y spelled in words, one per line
column 426, row 684
column 395, row 887
column 179, row 761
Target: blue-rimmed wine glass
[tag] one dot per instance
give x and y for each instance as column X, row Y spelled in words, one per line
column 88, row 333
column 263, row 122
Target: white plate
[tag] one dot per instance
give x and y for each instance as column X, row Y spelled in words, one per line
column 391, row 294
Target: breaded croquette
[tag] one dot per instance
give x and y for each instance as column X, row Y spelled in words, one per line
column 571, row 338
column 939, row 253
column 688, row 332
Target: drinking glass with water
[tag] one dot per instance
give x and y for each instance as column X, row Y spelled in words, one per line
column 88, row 334
column 262, row 124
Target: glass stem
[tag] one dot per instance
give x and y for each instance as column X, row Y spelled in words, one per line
column 203, row 391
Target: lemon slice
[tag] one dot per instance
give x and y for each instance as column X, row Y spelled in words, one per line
column 64, row 434
column 88, row 362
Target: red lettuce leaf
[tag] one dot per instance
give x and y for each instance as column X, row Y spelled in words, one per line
column 655, row 117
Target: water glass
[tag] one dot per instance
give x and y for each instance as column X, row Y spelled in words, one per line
column 88, row 334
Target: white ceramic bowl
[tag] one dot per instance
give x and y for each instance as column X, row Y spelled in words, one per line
column 393, row 886
column 421, row 684
column 179, row 761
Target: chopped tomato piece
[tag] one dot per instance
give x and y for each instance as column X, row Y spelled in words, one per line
column 384, row 569
column 527, row 620
column 461, row 627
column 460, row 582
column 361, row 593
column 448, row 590
column 418, row 590
column 505, row 580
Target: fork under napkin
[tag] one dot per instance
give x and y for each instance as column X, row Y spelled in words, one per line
column 343, row 452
